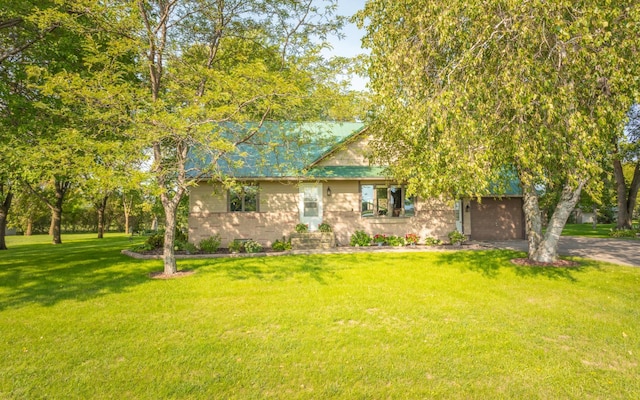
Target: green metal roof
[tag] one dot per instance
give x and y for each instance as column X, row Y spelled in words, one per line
column 286, row 150
column 281, row 149
column 346, row 172
column 508, row 184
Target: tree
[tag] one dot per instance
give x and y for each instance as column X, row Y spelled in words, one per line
column 32, row 37
column 209, row 63
column 468, row 91
column 204, row 67
column 6, row 195
column 627, row 151
column 24, row 23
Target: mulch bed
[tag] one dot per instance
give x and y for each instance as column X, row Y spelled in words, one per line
column 558, row 264
column 222, row 250
column 179, row 274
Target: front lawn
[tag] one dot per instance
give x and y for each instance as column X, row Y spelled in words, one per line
column 80, row 320
column 586, row 230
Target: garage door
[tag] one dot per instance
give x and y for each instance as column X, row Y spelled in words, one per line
column 497, row 219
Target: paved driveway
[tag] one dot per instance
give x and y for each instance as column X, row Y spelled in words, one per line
column 617, row 251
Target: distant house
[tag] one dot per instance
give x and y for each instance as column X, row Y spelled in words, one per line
column 331, row 181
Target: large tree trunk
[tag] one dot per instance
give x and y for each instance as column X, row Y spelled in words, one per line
column 56, row 224
column 127, row 213
column 170, row 265
column 56, row 210
column 626, row 197
column 101, row 207
column 633, row 192
column 29, row 228
column 4, row 213
column 533, row 218
column 544, row 248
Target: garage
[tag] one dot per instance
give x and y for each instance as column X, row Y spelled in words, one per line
column 497, row 219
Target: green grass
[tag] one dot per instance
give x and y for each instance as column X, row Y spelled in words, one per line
column 80, row 320
column 586, row 230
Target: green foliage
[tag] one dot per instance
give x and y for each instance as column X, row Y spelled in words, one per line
column 187, row 247
column 127, row 77
column 251, row 246
column 181, row 236
column 155, row 241
column 395, row 240
column 281, row 245
column 471, row 90
column 379, row 238
column 624, row 233
column 412, row 238
column 302, row 228
column 431, row 241
column 236, row 246
column 360, row 238
column 456, row 237
column 324, row 227
column 210, row 244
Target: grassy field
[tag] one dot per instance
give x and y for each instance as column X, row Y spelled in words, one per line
column 79, row 320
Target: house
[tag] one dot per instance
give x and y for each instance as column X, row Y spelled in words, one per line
column 330, row 180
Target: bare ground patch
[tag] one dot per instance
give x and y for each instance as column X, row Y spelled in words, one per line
column 179, row 274
column 531, row 263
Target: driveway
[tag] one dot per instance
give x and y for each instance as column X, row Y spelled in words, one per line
column 617, row 251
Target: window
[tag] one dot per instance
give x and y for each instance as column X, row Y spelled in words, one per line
column 310, row 202
column 243, row 198
column 386, row 201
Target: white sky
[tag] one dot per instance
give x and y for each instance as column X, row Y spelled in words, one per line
column 350, row 45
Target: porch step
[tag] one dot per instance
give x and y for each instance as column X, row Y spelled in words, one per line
column 313, row 240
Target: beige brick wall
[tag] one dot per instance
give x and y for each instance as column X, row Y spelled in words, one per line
column 279, row 214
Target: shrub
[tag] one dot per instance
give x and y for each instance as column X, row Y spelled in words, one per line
column 210, row 244
column 181, row 236
column 142, row 247
column 155, row 241
column 187, row 247
column 281, row 245
column 302, row 228
column 324, row 227
column 456, row 237
column 251, row 246
column 236, row 246
column 379, row 238
column 395, row 240
column 431, row 241
column 360, row 238
column 623, row 233
column 412, row 238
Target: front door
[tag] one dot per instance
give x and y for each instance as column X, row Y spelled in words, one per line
column 311, row 205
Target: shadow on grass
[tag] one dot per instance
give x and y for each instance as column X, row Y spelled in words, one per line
column 320, row 268
column 80, row 270
column 490, row 263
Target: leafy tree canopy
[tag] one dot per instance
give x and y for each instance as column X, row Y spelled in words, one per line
column 468, row 89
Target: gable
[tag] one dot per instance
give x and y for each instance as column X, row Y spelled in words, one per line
column 350, row 153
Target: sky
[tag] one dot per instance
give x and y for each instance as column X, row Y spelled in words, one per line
column 350, row 45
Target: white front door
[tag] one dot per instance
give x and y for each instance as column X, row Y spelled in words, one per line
column 310, row 205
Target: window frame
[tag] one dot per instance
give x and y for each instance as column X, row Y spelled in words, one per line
column 379, row 210
column 242, row 196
